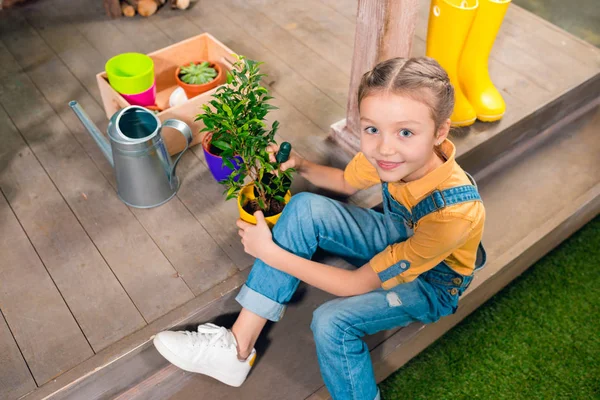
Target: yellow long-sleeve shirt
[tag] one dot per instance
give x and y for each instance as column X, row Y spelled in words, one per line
column 451, row 234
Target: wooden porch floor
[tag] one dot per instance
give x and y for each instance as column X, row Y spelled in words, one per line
column 79, row 270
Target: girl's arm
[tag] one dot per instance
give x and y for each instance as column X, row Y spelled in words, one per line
column 319, row 175
column 325, row 177
column 337, row 281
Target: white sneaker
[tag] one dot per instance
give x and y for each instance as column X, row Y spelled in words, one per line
column 212, row 351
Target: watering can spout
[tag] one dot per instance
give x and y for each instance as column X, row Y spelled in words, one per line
column 93, row 130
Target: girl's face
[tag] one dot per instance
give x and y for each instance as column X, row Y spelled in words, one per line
column 398, row 136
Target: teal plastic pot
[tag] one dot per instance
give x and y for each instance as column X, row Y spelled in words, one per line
column 130, row 73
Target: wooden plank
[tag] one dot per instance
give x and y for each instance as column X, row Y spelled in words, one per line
column 141, row 32
column 175, row 24
column 318, row 71
column 553, row 37
column 145, row 273
column 132, row 359
column 203, row 197
column 52, row 20
column 476, row 151
column 43, row 327
column 8, row 65
column 334, row 23
column 307, row 98
column 190, row 249
column 347, row 8
column 15, row 379
column 560, row 55
column 295, row 19
column 572, row 149
column 94, row 295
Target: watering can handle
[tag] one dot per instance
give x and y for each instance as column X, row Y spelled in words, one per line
column 185, row 130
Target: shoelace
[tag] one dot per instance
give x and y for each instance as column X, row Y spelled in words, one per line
column 210, row 335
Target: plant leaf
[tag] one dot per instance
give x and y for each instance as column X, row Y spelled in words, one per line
column 221, row 145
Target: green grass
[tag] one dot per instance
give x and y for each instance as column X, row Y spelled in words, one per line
column 539, row 338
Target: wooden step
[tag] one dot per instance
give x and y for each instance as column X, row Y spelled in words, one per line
column 549, row 180
column 552, row 183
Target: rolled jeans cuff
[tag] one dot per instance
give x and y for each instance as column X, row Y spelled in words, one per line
column 259, row 304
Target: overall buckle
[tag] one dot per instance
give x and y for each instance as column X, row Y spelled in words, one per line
column 442, row 196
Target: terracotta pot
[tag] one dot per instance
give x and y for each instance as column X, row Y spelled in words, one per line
column 247, row 194
column 195, row 90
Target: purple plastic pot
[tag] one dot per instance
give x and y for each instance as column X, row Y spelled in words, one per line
column 215, row 163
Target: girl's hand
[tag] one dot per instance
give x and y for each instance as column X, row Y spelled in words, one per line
column 295, row 161
column 257, row 239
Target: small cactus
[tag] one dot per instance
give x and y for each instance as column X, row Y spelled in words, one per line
column 197, row 74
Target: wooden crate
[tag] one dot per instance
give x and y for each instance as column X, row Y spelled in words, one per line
column 201, row 47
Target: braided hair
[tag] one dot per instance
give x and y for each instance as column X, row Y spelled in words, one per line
column 421, row 78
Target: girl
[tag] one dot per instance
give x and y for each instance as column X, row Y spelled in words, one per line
column 415, row 259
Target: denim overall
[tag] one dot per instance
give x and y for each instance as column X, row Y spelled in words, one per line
column 356, row 234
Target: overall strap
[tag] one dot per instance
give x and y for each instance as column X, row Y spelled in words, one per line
column 456, row 195
column 439, row 199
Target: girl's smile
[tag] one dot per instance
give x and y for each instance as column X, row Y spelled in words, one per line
column 387, row 165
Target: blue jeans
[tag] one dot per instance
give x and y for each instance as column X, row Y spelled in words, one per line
column 310, row 221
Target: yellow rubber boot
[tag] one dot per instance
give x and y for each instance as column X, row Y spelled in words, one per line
column 449, row 24
column 473, row 72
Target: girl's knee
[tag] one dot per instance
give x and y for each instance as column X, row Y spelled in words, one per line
column 304, row 211
column 305, row 202
column 327, row 323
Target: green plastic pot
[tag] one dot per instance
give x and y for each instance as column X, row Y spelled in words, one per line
column 130, row 73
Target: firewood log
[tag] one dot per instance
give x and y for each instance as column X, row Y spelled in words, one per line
column 181, row 4
column 127, row 9
column 146, row 7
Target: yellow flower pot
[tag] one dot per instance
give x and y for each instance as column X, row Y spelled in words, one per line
column 247, row 194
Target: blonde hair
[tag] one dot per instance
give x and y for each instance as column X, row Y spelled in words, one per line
column 421, row 78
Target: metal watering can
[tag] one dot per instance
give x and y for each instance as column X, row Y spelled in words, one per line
column 143, row 167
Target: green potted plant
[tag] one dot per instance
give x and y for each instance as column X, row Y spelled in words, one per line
column 235, row 124
column 198, row 77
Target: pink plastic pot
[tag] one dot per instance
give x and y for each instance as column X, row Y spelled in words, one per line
column 146, row 98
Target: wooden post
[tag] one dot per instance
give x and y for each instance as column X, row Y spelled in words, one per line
column 384, row 29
